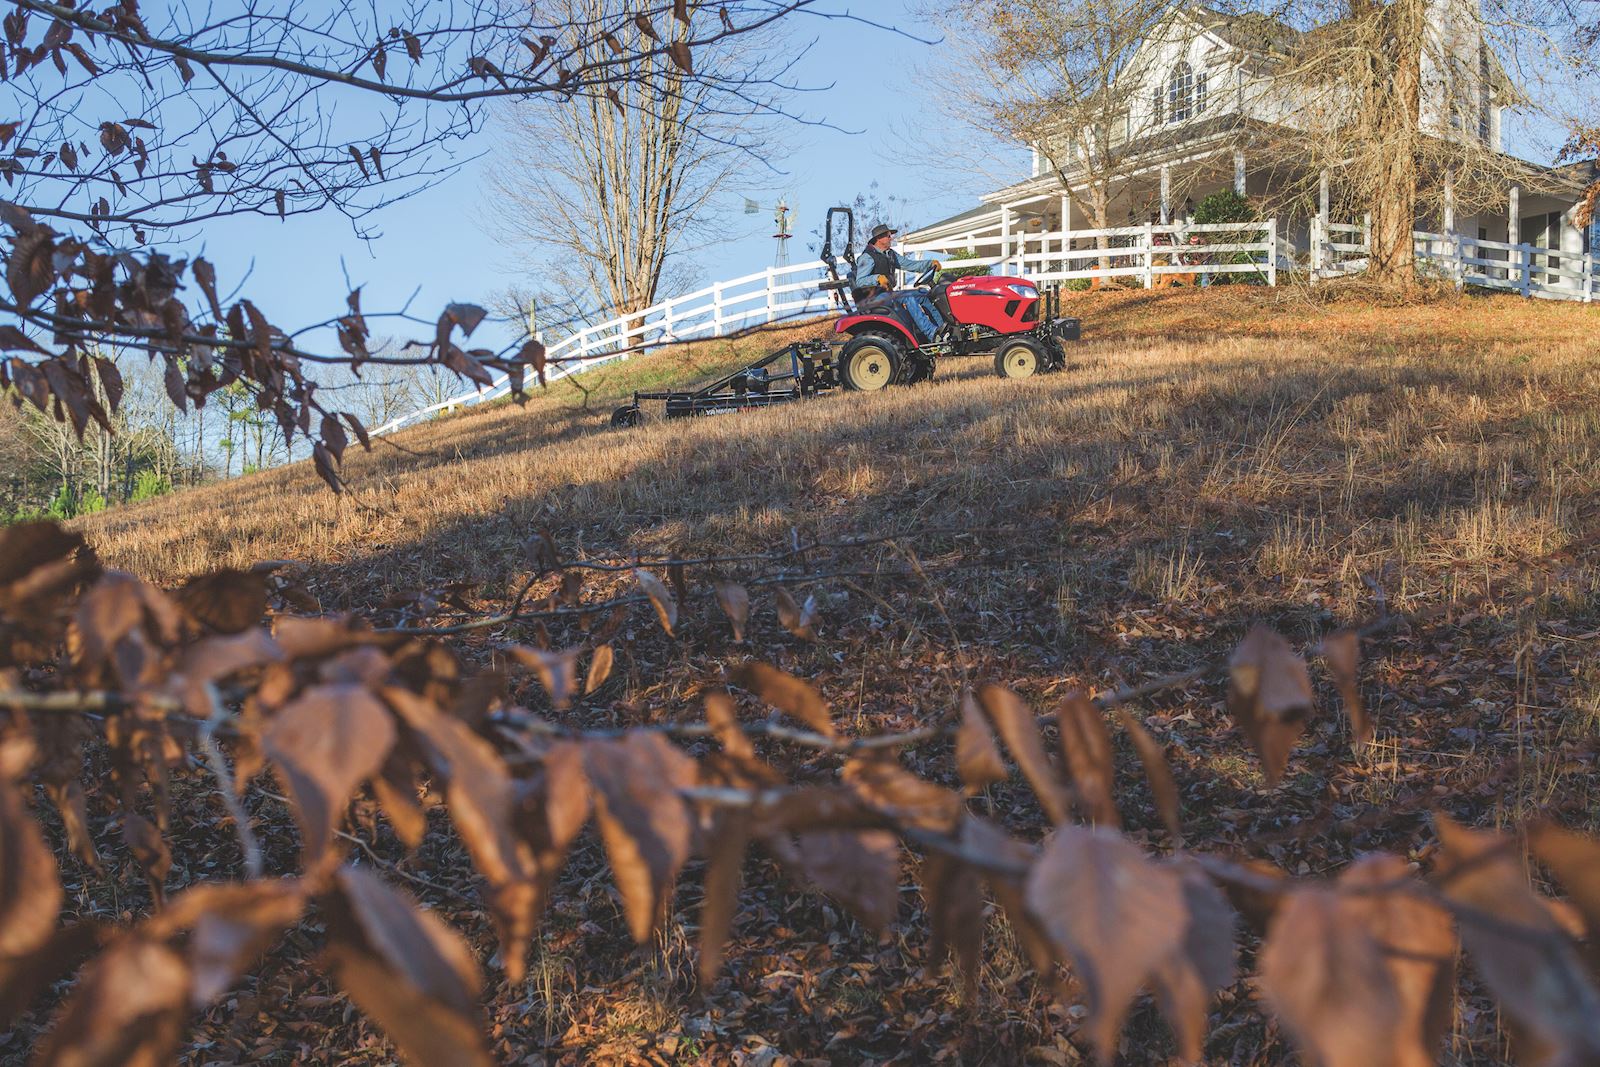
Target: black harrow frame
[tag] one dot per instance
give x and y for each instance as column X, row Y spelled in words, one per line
column 808, row 372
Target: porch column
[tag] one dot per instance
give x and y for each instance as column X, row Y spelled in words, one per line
column 1321, row 255
column 1005, row 236
column 1066, row 228
column 1166, row 194
column 1514, row 233
column 1238, row 171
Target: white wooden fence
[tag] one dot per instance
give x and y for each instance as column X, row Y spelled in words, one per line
column 1148, row 253
column 1531, row 270
column 1144, row 252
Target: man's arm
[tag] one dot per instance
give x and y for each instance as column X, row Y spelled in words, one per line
column 865, row 276
column 914, row 264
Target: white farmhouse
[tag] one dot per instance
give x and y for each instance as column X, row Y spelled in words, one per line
column 1205, row 97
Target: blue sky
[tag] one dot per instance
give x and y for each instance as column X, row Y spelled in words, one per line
column 437, row 244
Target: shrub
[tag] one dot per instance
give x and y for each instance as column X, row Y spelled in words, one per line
column 149, row 484
column 1222, row 206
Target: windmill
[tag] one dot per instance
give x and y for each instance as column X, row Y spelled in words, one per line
column 780, row 220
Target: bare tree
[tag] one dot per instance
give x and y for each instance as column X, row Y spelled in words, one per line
column 1397, row 103
column 130, row 134
column 1069, row 79
column 605, row 191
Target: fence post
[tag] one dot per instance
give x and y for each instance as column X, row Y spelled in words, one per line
column 1457, row 267
column 1272, row 251
column 772, row 297
column 1149, row 256
column 1525, row 265
column 1588, row 277
column 1316, row 247
column 716, row 310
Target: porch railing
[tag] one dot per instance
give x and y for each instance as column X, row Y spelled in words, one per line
column 1151, row 253
column 1531, row 270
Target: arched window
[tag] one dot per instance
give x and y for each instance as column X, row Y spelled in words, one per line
column 1180, row 93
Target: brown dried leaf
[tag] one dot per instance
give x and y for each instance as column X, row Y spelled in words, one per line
column 977, row 754
column 69, row 801
column 1086, row 744
column 644, row 822
column 679, row 51
column 324, row 744
column 408, row 970
column 24, row 978
column 150, row 849
column 1380, row 895
column 551, row 809
column 1159, row 774
column 599, row 669
column 902, row 797
column 724, row 723
column 30, row 894
column 395, row 787
column 226, row 601
column 860, row 869
column 481, row 798
column 798, row 619
column 1518, row 949
column 1341, row 651
column 724, row 873
column 229, row 926
column 660, row 599
column 795, row 698
column 1269, row 696
column 1114, row 914
column 127, row 1009
column 954, row 900
column 1325, row 977
column 1575, row 861
column 1019, row 729
column 1200, row 965
column 557, row 671
column 735, row 602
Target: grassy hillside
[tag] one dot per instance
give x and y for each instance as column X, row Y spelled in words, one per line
column 1207, row 460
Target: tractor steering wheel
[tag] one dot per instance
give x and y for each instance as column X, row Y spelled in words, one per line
column 927, row 276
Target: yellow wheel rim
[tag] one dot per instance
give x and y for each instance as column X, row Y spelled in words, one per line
column 1020, row 362
column 870, row 368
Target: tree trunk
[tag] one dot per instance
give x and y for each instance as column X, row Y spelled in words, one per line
column 1395, row 127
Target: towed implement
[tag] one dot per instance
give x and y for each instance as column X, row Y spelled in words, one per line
column 880, row 345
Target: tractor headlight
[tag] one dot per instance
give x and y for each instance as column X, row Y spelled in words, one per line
column 1027, row 292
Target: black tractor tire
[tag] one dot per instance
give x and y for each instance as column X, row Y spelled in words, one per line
column 626, row 417
column 1021, row 357
column 869, row 362
column 916, row 368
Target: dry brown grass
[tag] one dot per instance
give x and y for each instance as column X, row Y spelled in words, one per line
column 1324, row 439
column 1207, row 460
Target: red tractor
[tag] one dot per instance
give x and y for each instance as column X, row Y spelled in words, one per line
column 1009, row 317
column 1006, row 316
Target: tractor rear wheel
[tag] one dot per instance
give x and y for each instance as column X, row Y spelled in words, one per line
column 869, row 363
column 1020, row 358
column 627, row 416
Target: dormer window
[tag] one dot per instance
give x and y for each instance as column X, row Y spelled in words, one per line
column 1186, row 94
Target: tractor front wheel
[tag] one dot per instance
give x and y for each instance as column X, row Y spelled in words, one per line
column 869, row 363
column 1021, row 358
column 627, row 416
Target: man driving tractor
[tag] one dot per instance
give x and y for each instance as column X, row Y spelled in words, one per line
column 876, row 277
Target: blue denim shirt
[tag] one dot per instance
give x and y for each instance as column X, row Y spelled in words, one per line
column 866, row 276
